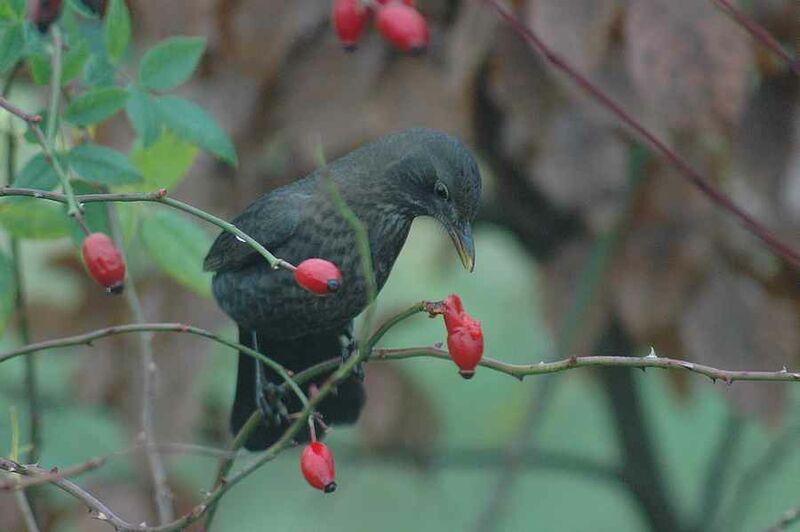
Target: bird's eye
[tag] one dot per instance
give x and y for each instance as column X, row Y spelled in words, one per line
column 441, row 190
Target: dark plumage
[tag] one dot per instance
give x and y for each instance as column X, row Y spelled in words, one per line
column 417, row 172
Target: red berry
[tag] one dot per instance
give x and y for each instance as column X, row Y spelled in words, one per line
column 465, row 343
column 384, row 2
column 318, row 276
column 44, row 12
column 316, row 463
column 403, row 26
column 349, row 19
column 104, row 261
column 453, row 311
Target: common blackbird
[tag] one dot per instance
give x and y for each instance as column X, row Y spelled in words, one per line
column 387, row 183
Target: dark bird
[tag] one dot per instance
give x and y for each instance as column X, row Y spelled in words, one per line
column 388, row 183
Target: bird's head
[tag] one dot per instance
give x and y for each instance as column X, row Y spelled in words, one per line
column 438, row 177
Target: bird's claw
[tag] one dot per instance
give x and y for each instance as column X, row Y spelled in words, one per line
column 350, row 349
column 269, row 400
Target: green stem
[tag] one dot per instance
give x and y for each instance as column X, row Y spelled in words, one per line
column 158, row 475
column 151, row 197
column 55, row 84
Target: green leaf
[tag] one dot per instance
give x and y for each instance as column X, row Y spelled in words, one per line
column 81, row 9
column 37, row 173
column 117, row 29
column 40, row 68
column 12, row 44
column 171, row 62
column 192, row 123
column 165, row 163
column 103, row 165
column 12, row 10
column 74, row 60
column 33, row 218
column 96, row 105
column 99, row 72
column 7, row 289
column 178, row 246
column 143, row 115
column 95, row 214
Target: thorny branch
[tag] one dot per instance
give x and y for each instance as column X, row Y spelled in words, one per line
column 759, row 34
column 694, row 176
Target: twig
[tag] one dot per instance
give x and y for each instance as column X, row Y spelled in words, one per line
column 55, row 85
column 759, row 33
column 159, row 196
column 89, row 337
column 19, row 113
column 519, row 371
column 686, row 169
column 24, row 506
column 31, row 384
column 47, row 477
column 161, row 490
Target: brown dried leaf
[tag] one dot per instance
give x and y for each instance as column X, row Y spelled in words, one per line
column 579, row 30
column 688, row 61
column 583, row 167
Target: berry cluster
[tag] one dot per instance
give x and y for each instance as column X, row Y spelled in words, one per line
column 397, row 20
column 104, row 262
column 464, row 336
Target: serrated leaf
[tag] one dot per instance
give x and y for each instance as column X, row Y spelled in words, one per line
column 7, row 290
column 165, row 163
column 117, row 29
column 177, row 245
column 171, row 62
column 37, row 173
column 12, row 44
column 192, row 123
column 96, row 105
column 33, row 218
column 103, row 165
column 143, row 114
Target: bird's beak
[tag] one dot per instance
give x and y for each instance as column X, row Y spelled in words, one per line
column 462, row 239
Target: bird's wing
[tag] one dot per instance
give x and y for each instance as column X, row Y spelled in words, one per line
column 270, row 220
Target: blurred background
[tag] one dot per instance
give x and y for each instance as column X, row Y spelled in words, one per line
column 585, row 244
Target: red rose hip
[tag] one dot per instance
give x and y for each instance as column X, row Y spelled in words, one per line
column 349, row 19
column 104, row 262
column 316, row 463
column 453, row 311
column 403, row 26
column 318, row 276
column 465, row 344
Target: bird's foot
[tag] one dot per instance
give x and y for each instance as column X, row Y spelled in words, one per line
column 350, row 349
column 270, row 403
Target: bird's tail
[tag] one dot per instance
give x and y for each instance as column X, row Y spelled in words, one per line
column 341, row 407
